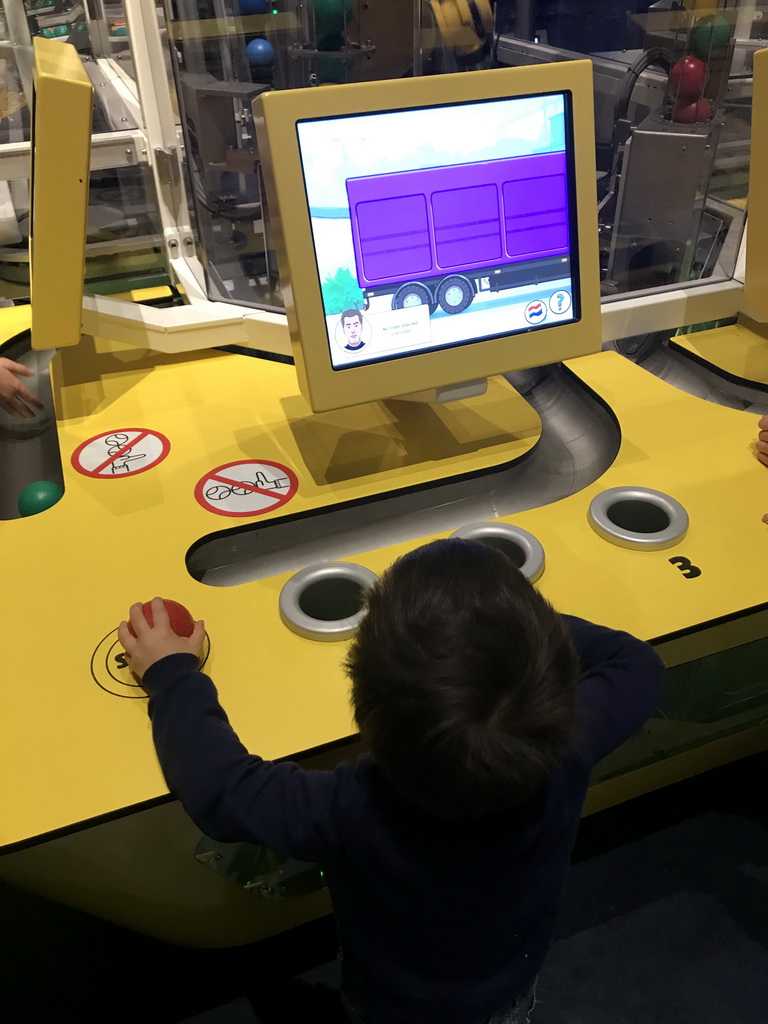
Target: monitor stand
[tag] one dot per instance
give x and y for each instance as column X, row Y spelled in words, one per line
column 451, row 393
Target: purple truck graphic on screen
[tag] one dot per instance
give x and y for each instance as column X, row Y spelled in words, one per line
column 438, row 235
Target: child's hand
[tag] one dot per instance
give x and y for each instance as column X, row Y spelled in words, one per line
column 152, row 643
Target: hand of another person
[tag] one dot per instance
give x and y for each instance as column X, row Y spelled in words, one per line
column 761, row 446
column 15, row 397
column 152, row 643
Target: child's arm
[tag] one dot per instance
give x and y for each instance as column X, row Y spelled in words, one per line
column 621, row 686
column 233, row 796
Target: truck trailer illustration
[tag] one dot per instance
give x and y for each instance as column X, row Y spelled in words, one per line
column 438, row 235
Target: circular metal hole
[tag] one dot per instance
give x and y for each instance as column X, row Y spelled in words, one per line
column 510, row 548
column 638, row 517
column 331, row 598
column 519, row 545
column 325, row 601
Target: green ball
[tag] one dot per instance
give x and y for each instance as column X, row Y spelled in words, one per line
column 710, row 36
column 333, row 41
column 39, row 496
column 332, row 15
column 61, row 30
column 331, row 71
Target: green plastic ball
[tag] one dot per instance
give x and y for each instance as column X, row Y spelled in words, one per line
column 332, row 15
column 331, row 70
column 39, row 496
column 333, row 41
column 710, row 36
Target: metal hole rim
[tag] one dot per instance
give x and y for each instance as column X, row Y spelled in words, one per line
column 309, row 627
column 534, row 560
column 657, row 541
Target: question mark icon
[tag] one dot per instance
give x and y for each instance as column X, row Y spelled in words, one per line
column 560, row 301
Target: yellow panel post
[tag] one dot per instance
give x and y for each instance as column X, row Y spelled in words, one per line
column 756, row 272
column 61, row 153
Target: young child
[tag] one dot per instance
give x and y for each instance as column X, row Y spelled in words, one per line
column 446, row 849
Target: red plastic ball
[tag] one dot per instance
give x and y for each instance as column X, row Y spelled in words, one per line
column 692, row 113
column 688, row 77
column 182, row 622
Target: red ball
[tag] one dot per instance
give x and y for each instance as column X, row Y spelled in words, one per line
column 182, row 622
column 687, row 78
column 692, row 113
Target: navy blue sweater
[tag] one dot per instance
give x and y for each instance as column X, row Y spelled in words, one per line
column 440, row 923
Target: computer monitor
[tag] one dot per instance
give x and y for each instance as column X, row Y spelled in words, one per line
column 435, row 230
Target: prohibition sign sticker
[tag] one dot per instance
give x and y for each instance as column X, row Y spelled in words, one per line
column 246, row 488
column 120, row 453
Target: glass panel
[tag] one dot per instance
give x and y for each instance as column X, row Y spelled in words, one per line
column 673, row 94
column 672, row 101
column 94, row 37
column 227, row 51
column 125, row 248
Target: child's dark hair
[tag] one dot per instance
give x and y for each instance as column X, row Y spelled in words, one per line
column 463, row 680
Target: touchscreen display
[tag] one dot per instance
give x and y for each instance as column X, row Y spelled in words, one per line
column 442, row 226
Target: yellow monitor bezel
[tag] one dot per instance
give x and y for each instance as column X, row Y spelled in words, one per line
column 61, row 154
column 326, row 388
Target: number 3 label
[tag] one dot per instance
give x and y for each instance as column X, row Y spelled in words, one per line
column 686, row 567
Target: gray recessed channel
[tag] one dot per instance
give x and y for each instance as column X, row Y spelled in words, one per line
column 638, row 517
column 325, row 601
column 522, row 547
column 670, row 362
column 29, row 449
column 579, row 441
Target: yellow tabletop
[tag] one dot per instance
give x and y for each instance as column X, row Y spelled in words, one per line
column 76, row 742
column 740, row 350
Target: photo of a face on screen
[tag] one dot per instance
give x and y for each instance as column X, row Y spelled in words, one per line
column 441, row 226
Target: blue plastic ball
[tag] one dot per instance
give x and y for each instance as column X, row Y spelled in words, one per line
column 253, row 6
column 260, row 52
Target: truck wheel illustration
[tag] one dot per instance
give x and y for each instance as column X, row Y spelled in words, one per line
column 413, row 294
column 455, row 293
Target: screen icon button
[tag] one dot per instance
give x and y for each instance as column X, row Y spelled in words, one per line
column 560, row 301
column 536, row 312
